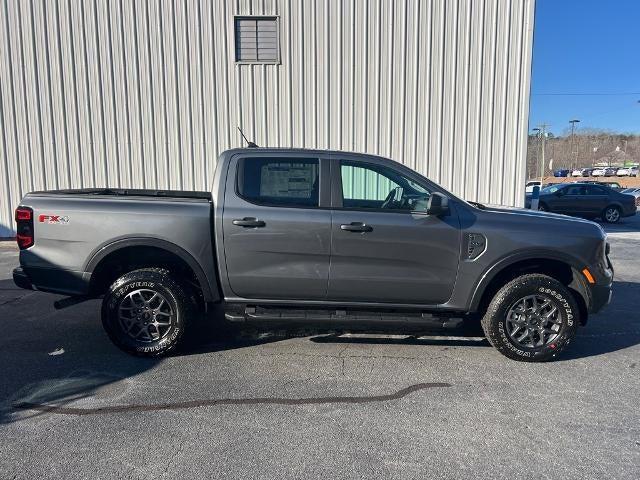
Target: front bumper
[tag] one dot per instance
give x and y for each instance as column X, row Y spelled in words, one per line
column 630, row 210
column 600, row 297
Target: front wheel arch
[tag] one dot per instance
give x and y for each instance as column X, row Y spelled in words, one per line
column 560, row 269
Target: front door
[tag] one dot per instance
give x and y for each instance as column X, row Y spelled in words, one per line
column 276, row 235
column 385, row 248
column 571, row 201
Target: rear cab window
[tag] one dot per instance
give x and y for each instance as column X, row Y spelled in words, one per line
column 283, row 182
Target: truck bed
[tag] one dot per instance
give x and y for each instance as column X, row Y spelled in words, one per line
column 129, row 192
column 75, row 229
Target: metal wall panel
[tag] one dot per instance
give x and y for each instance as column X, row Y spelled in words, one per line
column 146, row 93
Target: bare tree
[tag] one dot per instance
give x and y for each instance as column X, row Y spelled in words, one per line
column 594, row 147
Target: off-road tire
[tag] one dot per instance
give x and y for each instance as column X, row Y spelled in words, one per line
column 178, row 296
column 494, row 322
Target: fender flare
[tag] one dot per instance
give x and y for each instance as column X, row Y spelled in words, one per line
column 210, row 292
column 506, row 262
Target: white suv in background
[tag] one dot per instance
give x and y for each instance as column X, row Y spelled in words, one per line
column 628, row 171
column 528, row 187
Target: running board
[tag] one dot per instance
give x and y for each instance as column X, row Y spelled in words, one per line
column 245, row 313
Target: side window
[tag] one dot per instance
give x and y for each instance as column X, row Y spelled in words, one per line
column 286, row 182
column 593, row 190
column 574, row 190
column 367, row 186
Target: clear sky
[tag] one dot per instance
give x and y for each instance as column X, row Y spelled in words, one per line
column 586, row 47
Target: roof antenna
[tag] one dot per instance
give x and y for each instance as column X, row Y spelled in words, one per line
column 249, row 144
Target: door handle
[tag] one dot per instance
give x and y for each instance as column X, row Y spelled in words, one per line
column 249, row 222
column 356, row 227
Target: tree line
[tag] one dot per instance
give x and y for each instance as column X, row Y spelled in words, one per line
column 587, row 148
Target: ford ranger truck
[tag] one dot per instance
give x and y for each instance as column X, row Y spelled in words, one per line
column 320, row 238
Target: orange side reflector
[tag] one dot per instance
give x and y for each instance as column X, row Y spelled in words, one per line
column 587, row 273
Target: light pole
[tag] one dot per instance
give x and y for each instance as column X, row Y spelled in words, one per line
column 573, row 140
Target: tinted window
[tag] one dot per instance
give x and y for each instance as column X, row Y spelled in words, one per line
column 283, row 182
column 374, row 187
column 574, row 190
column 593, row 190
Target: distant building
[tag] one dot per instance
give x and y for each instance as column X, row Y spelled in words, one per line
column 146, row 94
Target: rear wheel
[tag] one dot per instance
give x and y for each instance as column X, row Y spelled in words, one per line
column 543, row 208
column 145, row 312
column 532, row 318
column 611, row 214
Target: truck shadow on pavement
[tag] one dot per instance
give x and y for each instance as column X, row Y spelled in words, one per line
column 615, row 328
column 62, row 361
column 57, row 357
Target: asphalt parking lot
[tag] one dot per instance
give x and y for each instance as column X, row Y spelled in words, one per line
column 317, row 406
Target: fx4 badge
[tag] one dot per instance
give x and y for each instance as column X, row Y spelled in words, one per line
column 53, row 219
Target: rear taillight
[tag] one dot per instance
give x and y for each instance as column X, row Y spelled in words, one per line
column 24, row 230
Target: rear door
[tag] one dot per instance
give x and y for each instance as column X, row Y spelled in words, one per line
column 276, row 233
column 385, row 248
column 596, row 199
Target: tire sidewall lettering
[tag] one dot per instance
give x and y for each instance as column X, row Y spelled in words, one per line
column 118, row 293
column 567, row 315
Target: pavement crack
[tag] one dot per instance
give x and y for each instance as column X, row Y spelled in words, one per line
column 16, row 299
column 230, row 401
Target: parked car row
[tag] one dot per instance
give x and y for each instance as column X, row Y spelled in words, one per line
column 585, row 199
column 600, row 172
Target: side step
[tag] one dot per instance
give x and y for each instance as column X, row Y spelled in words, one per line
column 257, row 313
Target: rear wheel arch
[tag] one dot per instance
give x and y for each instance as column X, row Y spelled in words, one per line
column 124, row 255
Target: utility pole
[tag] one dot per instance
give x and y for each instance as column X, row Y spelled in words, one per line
column 542, row 134
column 537, row 167
column 573, row 141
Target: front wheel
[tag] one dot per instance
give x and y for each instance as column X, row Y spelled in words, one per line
column 611, row 214
column 532, row 318
column 542, row 207
column 145, row 312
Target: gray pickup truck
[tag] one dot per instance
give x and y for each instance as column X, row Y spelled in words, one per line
column 314, row 237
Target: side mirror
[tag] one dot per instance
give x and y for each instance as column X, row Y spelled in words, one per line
column 438, row 204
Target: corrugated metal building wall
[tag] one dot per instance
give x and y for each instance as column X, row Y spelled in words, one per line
column 146, row 93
